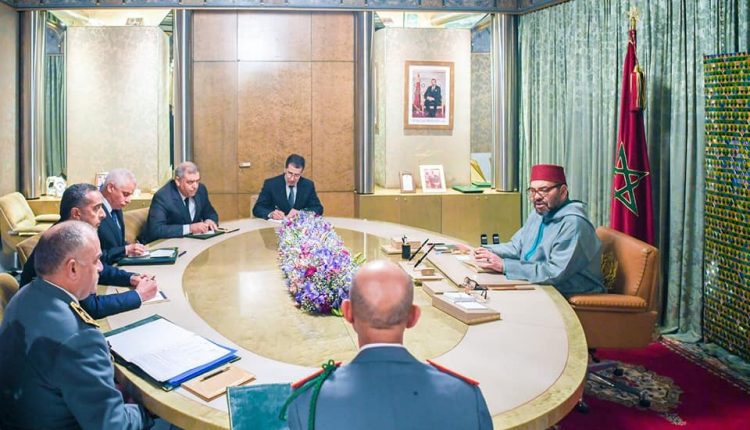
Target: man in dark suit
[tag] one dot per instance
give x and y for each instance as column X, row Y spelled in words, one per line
column 83, row 202
column 117, row 190
column 432, row 99
column 385, row 386
column 286, row 194
column 56, row 369
column 181, row 207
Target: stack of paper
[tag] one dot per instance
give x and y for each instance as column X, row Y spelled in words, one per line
column 165, row 352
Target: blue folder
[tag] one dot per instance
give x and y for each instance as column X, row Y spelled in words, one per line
column 174, row 382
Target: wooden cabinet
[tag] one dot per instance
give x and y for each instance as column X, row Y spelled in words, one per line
column 463, row 216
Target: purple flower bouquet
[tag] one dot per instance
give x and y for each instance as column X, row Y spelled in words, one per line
column 317, row 266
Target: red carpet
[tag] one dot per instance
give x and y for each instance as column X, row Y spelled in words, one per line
column 685, row 395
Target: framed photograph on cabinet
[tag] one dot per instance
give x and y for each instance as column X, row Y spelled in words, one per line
column 433, row 178
column 407, row 182
column 428, row 95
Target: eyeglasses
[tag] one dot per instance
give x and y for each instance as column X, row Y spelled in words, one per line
column 470, row 286
column 542, row 191
column 293, row 175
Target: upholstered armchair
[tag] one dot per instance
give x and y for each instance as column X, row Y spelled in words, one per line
column 8, row 287
column 17, row 221
column 134, row 221
column 625, row 316
column 26, row 247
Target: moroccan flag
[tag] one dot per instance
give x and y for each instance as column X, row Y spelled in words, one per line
column 632, row 211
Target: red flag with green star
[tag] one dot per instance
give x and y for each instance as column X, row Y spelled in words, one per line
column 632, row 210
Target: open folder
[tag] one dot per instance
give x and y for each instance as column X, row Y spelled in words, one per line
column 165, row 353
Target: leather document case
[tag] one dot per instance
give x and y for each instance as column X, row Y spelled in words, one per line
column 257, row 406
column 213, row 384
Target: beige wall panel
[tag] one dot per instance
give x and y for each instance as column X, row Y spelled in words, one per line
column 215, row 124
column 245, row 203
column 214, row 36
column 264, row 36
column 405, row 150
column 274, row 119
column 225, row 205
column 332, row 37
column 333, row 126
column 115, row 78
column 337, row 203
column 8, row 97
column 422, row 211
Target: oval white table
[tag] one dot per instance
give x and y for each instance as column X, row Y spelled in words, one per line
column 531, row 364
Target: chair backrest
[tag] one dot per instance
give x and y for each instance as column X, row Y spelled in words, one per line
column 637, row 265
column 26, row 247
column 134, row 221
column 8, row 287
column 14, row 212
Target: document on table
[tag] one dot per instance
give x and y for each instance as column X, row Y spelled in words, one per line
column 164, row 350
column 160, row 253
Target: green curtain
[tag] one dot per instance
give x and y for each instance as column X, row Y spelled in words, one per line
column 54, row 115
column 571, row 68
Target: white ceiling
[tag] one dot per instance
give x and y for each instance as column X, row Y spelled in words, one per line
column 110, row 17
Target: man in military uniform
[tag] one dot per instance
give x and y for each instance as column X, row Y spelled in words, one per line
column 56, row 368
column 385, row 386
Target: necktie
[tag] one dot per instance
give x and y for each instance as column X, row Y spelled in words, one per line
column 187, row 207
column 291, row 196
column 114, row 218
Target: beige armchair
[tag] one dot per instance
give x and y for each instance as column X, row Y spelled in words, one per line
column 26, row 247
column 134, row 222
column 17, row 221
column 625, row 316
column 8, row 287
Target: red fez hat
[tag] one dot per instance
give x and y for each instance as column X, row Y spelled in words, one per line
column 548, row 172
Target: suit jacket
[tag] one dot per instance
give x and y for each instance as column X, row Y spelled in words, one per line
column 434, row 93
column 95, row 305
column 273, row 195
column 168, row 212
column 56, row 370
column 386, row 387
column 112, row 237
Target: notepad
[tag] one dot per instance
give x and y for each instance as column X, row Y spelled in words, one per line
column 160, row 253
column 456, row 297
column 213, row 384
column 472, row 306
column 165, row 351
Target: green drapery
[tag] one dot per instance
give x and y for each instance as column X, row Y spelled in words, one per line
column 571, row 61
column 54, row 115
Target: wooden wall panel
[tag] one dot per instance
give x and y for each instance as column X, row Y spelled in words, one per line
column 337, row 203
column 215, row 36
column 215, row 127
column 225, row 205
column 333, row 126
column 274, row 119
column 332, row 37
column 263, row 36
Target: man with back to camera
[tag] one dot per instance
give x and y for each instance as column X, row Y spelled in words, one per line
column 56, row 369
column 181, row 207
column 83, row 202
column 286, row 194
column 117, row 190
column 385, row 386
column 557, row 245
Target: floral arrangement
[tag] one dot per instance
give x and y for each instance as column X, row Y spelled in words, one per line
column 317, row 266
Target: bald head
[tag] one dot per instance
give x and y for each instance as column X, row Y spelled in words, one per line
column 381, row 296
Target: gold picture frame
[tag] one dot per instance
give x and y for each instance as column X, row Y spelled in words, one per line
column 428, row 95
column 406, row 179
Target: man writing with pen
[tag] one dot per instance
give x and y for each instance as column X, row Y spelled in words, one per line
column 83, row 202
column 181, row 207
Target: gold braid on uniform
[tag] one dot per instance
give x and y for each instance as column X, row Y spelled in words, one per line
column 83, row 314
column 314, row 383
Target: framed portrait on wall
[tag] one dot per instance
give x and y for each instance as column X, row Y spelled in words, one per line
column 433, row 178
column 428, row 95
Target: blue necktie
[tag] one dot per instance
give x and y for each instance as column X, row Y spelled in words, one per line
column 291, row 196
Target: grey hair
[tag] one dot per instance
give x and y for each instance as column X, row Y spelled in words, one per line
column 185, row 167
column 397, row 314
column 119, row 178
column 58, row 244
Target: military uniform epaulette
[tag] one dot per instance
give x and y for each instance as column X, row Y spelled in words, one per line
column 453, row 373
column 83, row 314
column 304, row 380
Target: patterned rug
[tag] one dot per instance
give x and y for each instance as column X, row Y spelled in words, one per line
column 687, row 391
